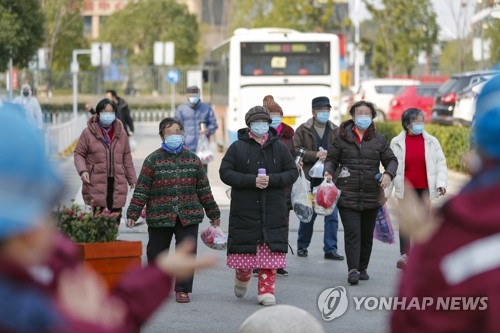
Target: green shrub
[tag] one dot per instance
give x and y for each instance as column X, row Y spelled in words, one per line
column 87, row 227
column 454, row 140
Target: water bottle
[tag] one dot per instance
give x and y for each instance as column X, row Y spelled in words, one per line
column 300, row 155
column 261, row 172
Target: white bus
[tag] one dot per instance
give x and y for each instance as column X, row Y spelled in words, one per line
column 292, row 66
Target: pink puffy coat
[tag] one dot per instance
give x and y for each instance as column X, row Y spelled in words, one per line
column 101, row 161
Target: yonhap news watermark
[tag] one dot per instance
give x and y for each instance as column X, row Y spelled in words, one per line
column 334, row 302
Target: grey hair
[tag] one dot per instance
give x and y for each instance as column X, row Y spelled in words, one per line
column 409, row 116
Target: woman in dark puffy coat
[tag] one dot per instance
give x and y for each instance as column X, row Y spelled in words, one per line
column 355, row 158
column 258, row 227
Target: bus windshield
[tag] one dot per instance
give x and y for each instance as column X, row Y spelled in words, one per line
column 285, row 58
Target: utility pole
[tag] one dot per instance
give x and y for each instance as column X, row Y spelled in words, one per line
column 75, row 68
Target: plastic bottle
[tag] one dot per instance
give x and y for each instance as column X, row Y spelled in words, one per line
column 261, row 172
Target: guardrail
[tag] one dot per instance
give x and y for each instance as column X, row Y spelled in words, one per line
column 52, row 118
column 61, row 138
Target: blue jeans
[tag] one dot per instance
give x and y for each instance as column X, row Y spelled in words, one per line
column 329, row 237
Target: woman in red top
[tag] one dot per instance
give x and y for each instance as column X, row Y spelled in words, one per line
column 421, row 163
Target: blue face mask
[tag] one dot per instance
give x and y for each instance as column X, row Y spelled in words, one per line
column 417, row 128
column 322, row 117
column 363, row 122
column 276, row 121
column 106, row 119
column 193, row 100
column 173, row 141
column 259, row 129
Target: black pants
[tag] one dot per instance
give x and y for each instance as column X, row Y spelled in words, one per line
column 358, row 236
column 109, row 200
column 205, row 166
column 159, row 240
column 404, row 242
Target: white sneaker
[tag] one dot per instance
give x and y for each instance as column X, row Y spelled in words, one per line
column 240, row 288
column 266, row 299
column 402, row 261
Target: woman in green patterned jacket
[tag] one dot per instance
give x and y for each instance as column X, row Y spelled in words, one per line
column 174, row 187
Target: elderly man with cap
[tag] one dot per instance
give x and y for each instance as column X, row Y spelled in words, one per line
column 258, row 167
column 318, row 132
column 457, row 252
column 43, row 286
column 198, row 118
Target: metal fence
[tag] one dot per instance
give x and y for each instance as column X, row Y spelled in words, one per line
column 60, row 137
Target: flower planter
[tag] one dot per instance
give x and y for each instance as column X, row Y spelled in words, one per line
column 111, row 259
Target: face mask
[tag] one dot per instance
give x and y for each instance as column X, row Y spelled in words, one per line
column 417, row 129
column 259, row 129
column 276, row 121
column 363, row 122
column 26, row 93
column 193, row 100
column 322, row 117
column 107, row 119
column 173, row 141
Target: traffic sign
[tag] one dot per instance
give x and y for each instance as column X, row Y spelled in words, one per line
column 173, row 76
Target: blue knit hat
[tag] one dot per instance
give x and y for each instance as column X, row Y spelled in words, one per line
column 29, row 185
column 486, row 125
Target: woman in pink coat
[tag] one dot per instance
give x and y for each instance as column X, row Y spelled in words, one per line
column 103, row 160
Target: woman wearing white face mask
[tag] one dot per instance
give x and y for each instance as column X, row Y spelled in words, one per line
column 354, row 159
column 258, row 167
column 421, row 163
column 174, row 187
column 104, row 161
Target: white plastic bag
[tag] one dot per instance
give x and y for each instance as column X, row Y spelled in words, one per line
column 326, row 196
column 214, row 238
column 203, row 150
column 302, row 198
column 318, row 168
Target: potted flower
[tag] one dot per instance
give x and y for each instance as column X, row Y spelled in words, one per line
column 95, row 235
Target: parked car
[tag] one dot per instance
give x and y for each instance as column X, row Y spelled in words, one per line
column 446, row 96
column 465, row 108
column 421, row 97
column 380, row 92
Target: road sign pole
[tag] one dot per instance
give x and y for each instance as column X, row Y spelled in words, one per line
column 172, row 100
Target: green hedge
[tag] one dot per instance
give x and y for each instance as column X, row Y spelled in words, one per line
column 454, row 140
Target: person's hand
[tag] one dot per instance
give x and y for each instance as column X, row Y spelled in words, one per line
column 215, row 222
column 132, row 186
column 204, row 132
column 130, row 223
column 328, row 176
column 385, row 181
column 321, row 155
column 85, row 177
column 300, row 165
column 183, row 262
column 262, row 182
column 88, row 106
column 415, row 218
column 441, row 191
column 82, row 294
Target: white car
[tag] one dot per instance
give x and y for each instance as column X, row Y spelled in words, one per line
column 465, row 107
column 380, row 92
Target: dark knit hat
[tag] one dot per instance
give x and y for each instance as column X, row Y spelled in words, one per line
column 271, row 105
column 320, row 101
column 257, row 113
column 193, row 90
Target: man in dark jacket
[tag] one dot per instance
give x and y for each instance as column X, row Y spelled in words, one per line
column 123, row 112
column 318, row 132
column 455, row 262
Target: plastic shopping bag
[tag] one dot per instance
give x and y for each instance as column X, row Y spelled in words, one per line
column 326, row 196
column 318, row 168
column 383, row 227
column 203, row 150
column 302, row 198
column 214, row 238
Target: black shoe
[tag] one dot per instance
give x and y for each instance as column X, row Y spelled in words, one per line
column 363, row 275
column 282, row 272
column 302, row 253
column 333, row 256
column 255, row 272
column 353, row 276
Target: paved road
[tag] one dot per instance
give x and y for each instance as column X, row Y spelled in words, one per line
column 214, row 308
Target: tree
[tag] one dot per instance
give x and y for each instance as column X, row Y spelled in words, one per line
column 493, row 33
column 301, row 15
column 405, row 28
column 448, row 63
column 21, row 31
column 136, row 27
